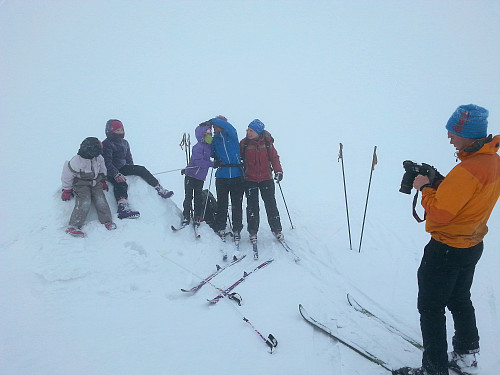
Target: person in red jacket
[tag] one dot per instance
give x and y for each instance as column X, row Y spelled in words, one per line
column 260, row 159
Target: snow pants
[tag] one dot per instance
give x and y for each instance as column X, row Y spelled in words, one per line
column 120, row 188
column 192, row 187
column 267, row 191
column 226, row 187
column 85, row 195
column 444, row 280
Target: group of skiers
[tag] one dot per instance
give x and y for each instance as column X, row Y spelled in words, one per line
column 243, row 168
column 458, row 207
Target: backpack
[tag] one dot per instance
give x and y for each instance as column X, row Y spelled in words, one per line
column 210, row 209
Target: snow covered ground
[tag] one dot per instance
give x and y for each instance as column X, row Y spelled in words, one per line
column 362, row 73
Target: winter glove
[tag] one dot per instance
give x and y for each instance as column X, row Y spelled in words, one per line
column 66, row 194
column 278, row 176
column 217, row 163
column 120, row 178
column 183, row 171
column 104, row 185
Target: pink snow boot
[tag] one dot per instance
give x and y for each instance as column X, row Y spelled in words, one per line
column 75, row 232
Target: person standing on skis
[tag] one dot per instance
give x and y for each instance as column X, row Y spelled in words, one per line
column 229, row 176
column 260, row 159
column 457, row 213
column 196, row 173
column 119, row 162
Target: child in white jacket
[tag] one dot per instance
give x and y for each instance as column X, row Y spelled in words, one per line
column 84, row 176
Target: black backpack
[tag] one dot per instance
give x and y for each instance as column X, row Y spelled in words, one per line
column 211, row 207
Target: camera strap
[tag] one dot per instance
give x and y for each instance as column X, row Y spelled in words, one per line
column 415, row 215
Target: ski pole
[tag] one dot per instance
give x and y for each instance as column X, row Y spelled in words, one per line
column 186, row 146
column 288, row 212
column 270, row 341
column 206, row 200
column 374, row 162
column 173, row 170
column 341, row 158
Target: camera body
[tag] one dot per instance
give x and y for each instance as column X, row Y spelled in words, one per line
column 412, row 170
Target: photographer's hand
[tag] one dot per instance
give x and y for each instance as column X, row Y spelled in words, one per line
column 420, row 181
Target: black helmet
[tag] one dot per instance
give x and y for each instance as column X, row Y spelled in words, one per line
column 90, row 148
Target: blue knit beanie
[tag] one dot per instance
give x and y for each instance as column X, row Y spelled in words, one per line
column 469, row 121
column 257, row 126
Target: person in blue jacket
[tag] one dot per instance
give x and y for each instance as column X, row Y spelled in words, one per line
column 229, row 177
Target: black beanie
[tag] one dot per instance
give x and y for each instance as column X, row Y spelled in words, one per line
column 90, row 148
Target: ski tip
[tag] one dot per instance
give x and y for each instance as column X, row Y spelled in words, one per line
column 348, row 296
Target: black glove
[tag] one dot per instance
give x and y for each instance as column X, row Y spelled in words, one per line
column 278, row 176
column 217, row 163
column 183, row 171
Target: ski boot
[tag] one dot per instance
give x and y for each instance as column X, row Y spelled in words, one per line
column 409, row 371
column 279, row 236
column 222, row 234
column 196, row 221
column 465, row 363
column 110, row 225
column 75, row 232
column 124, row 211
column 162, row 192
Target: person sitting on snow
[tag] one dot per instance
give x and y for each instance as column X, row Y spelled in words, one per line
column 84, row 177
column 119, row 162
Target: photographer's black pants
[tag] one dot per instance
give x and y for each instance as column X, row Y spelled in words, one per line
column 120, row 188
column 444, row 280
column 226, row 187
column 267, row 191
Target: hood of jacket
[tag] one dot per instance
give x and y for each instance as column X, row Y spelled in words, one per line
column 200, row 131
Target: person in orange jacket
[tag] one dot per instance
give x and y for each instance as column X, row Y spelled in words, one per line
column 457, row 213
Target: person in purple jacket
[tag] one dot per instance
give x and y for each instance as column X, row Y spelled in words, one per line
column 119, row 163
column 196, row 173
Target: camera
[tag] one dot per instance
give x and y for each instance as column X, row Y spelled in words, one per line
column 413, row 169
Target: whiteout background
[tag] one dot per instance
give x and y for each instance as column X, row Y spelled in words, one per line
column 316, row 73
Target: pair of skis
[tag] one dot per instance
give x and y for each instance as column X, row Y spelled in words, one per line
column 195, row 229
column 228, row 291
column 285, row 245
column 289, row 250
column 207, row 279
column 359, row 349
column 270, row 341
